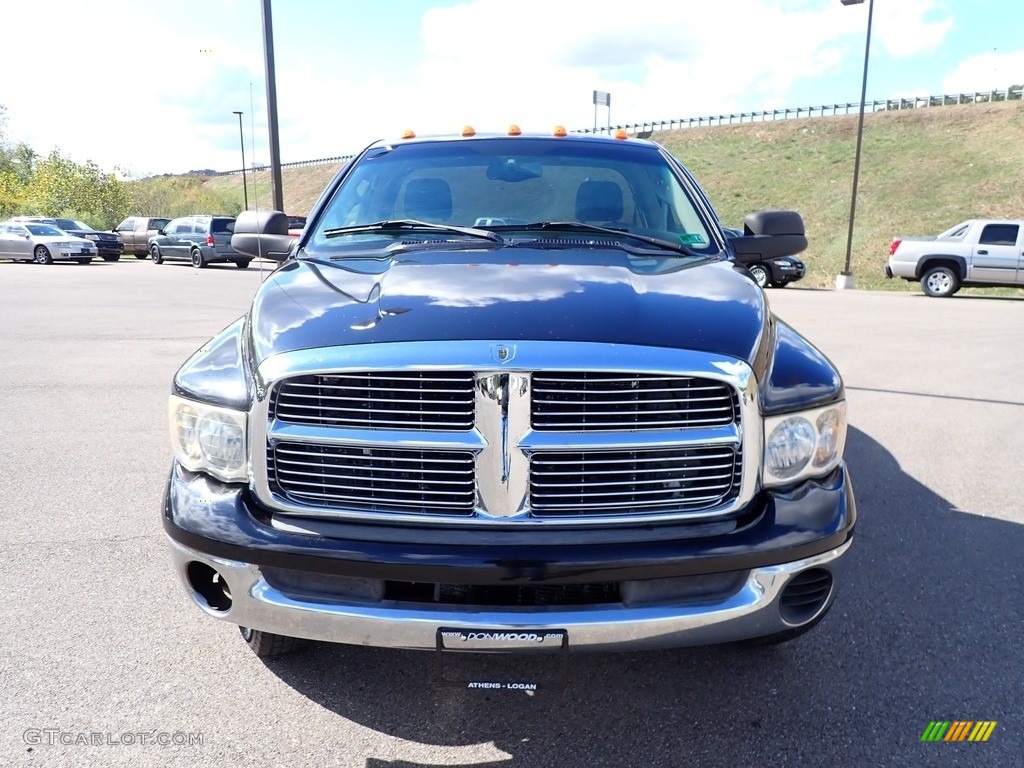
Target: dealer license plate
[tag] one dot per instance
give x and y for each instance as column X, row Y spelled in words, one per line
column 485, row 640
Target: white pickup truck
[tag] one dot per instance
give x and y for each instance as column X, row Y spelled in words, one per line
column 979, row 252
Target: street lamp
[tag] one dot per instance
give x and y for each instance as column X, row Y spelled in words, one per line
column 845, row 280
column 241, row 141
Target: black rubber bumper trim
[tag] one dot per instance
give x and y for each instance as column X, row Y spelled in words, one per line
column 222, row 521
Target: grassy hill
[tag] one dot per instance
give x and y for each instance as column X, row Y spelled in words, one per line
column 922, row 171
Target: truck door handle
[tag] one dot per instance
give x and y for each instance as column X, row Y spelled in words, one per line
column 983, row 253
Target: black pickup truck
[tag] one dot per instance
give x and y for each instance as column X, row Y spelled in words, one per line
column 510, row 392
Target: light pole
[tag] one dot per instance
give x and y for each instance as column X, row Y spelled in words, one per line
column 276, row 190
column 241, row 141
column 845, row 280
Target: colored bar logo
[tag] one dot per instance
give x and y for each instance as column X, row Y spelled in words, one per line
column 958, row 730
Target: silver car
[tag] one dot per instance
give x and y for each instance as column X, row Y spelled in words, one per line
column 42, row 243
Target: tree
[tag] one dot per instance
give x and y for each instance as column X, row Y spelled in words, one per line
column 58, row 186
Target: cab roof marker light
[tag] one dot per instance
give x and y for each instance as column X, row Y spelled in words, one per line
column 559, row 130
column 468, row 130
column 515, row 130
column 408, row 133
column 621, row 134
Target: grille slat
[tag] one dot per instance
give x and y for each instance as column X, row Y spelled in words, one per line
column 357, row 502
column 613, row 402
column 725, row 477
column 292, row 479
column 572, row 464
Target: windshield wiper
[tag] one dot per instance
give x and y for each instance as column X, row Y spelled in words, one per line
column 400, row 225
column 576, row 226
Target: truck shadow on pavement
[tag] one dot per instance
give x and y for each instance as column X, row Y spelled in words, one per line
column 927, row 626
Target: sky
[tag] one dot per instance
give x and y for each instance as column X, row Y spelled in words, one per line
column 142, row 87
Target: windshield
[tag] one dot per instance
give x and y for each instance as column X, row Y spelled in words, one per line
column 43, row 229
column 507, row 184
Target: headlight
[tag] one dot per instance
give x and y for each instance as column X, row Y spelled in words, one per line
column 802, row 445
column 208, row 438
column 91, row 237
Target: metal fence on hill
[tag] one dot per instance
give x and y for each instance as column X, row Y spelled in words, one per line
column 645, row 129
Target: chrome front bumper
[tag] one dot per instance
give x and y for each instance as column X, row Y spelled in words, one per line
column 751, row 611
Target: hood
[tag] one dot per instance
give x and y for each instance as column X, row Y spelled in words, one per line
column 592, row 295
column 75, row 239
column 88, row 234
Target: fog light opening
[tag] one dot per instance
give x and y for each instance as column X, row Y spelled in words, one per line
column 209, row 588
column 805, row 596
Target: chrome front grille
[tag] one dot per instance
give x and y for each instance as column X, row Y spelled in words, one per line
column 373, row 479
column 531, row 433
column 632, row 482
column 589, row 401
column 415, row 400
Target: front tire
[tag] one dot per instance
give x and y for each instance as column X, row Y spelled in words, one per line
column 41, row 255
column 112, row 257
column 242, row 263
column 197, row 259
column 760, row 274
column 140, row 256
column 84, row 261
column 155, row 254
column 267, row 645
column 940, row 282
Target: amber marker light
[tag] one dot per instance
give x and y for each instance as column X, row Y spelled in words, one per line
column 559, row 130
column 515, row 130
column 621, row 134
column 408, row 133
column 468, row 130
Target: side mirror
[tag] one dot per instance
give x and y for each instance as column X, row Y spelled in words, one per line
column 769, row 235
column 262, row 234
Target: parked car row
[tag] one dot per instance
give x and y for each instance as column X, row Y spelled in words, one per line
column 108, row 245
column 199, row 239
column 42, row 243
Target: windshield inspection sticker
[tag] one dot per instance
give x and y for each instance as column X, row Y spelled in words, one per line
column 691, row 238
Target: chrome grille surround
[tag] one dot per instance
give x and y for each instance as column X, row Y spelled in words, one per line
column 502, row 444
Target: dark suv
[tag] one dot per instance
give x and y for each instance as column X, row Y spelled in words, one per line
column 200, row 239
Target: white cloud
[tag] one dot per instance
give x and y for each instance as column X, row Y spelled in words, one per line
column 166, row 107
column 985, row 72
column 540, row 61
column 910, row 27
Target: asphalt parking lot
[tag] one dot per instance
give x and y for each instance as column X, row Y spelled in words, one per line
column 102, row 656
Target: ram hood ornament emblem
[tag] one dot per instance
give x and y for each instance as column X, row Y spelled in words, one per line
column 503, row 353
